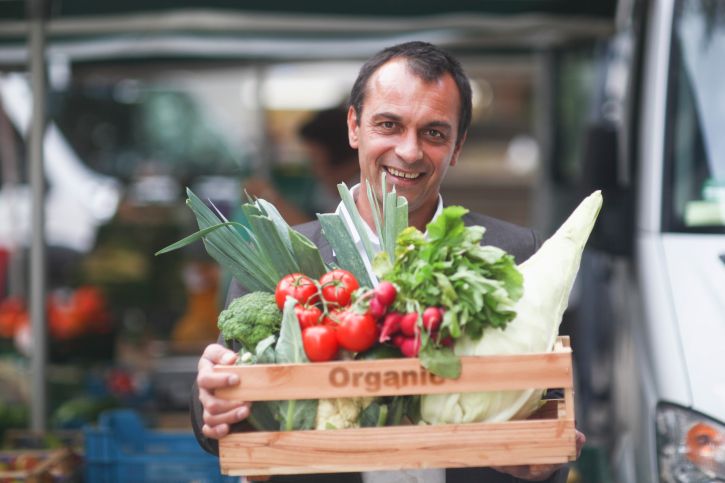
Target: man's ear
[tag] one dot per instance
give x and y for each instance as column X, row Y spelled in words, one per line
column 352, row 127
column 457, row 150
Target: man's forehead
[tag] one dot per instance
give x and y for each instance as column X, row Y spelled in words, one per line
column 395, row 78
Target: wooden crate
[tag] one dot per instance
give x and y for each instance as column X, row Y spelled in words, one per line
column 546, row 437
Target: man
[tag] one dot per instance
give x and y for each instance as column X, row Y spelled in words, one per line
column 409, row 112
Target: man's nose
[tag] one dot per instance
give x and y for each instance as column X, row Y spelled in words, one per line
column 408, row 149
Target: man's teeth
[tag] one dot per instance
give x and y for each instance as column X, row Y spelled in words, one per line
column 402, row 174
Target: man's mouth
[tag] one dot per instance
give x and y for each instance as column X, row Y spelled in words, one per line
column 402, row 174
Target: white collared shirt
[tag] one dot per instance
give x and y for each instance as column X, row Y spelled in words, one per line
column 434, row 475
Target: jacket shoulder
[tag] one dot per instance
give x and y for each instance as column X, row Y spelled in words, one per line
column 519, row 241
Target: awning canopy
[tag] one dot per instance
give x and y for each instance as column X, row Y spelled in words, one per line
column 85, row 30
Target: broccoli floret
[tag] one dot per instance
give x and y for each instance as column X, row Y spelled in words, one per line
column 250, row 319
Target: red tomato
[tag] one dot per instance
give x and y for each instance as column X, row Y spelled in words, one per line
column 356, row 332
column 338, row 286
column 320, row 343
column 298, row 286
column 308, row 315
column 332, row 318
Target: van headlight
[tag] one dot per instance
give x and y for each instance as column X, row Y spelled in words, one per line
column 690, row 446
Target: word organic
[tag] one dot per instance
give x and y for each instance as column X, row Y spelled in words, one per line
column 373, row 381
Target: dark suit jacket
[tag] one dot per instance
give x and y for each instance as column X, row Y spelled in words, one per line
column 518, row 241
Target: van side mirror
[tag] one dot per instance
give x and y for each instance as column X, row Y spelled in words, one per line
column 614, row 231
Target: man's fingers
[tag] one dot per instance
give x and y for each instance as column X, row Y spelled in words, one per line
column 216, row 354
column 215, row 432
column 215, row 405
column 211, row 380
column 232, row 416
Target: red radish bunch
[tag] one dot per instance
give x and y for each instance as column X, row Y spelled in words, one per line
column 403, row 330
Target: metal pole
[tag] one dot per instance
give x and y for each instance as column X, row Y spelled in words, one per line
column 36, row 13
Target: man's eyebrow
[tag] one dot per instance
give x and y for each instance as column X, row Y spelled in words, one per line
column 439, row 124
column 387, row 115
column 395, row 117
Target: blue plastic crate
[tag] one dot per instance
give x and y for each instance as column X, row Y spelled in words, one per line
column 120, row 449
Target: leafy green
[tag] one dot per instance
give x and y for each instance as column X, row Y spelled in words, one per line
column 440, row 360
column 298, row 414
column 476, row 285
column 257, row 256
column 375, row 414
column 348, row 257
column 357, row 220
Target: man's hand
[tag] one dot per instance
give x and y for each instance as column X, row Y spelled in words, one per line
column 539, row 472
column 218, row 413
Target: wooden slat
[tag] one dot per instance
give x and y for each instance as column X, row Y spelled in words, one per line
column 394, row 377
column 399, row 447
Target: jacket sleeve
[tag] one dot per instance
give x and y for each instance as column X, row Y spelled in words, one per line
column 489, row 475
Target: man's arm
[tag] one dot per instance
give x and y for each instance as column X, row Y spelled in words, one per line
column 212, row 417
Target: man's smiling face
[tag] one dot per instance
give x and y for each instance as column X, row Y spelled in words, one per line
column 407, row 128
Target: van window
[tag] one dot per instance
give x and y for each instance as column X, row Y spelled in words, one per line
column 695, row 175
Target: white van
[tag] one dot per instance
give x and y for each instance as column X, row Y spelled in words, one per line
column 667, row 294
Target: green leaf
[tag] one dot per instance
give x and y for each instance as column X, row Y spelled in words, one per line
column 273, row 246
column 307, row 255
column 440, row 361
column 448, row 224
column 300, row 414
column 194, row 237
column 289, row 347
column 396, row 411
column 381, row 265
column 264, row 352
column 346, row 253
column 373, row 415
column 283, row 229
column 262, row 416
column 357, row 220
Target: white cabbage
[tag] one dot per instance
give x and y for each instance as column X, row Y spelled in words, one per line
column 548, row 278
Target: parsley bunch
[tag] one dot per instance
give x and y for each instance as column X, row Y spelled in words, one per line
column 476, row 285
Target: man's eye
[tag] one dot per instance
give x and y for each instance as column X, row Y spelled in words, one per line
column 387, row 124
column 434, row 133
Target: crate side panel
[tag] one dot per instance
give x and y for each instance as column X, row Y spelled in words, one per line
column 370, row 449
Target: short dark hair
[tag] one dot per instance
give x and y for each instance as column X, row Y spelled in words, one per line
column 427, row 62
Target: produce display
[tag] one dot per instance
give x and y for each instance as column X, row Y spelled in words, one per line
column 436, row 296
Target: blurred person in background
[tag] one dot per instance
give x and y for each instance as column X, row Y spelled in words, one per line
column 332, row 161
